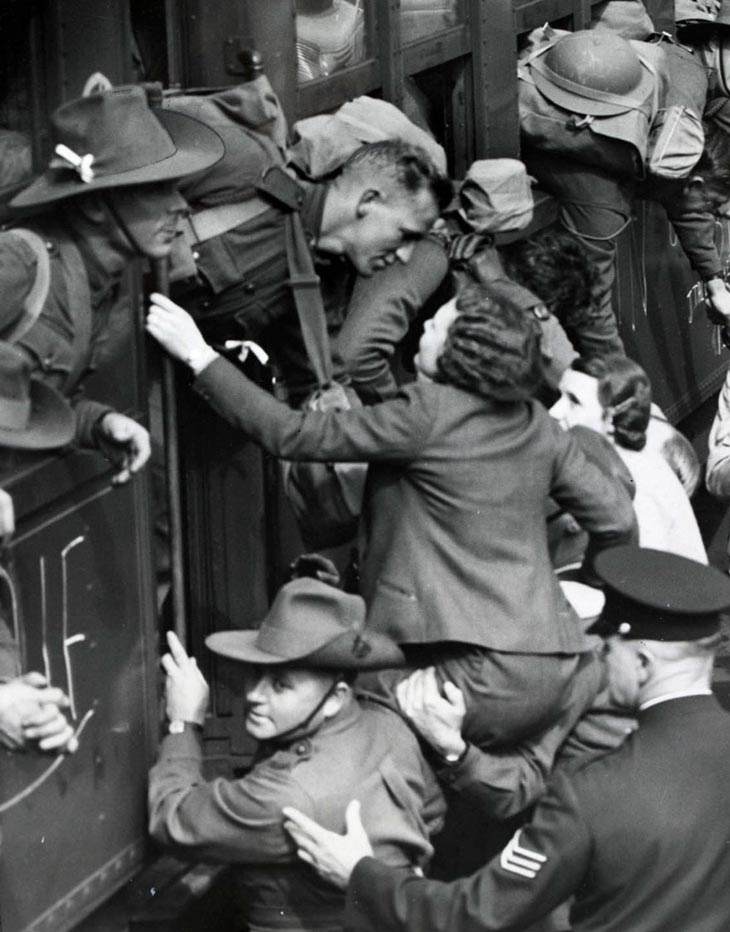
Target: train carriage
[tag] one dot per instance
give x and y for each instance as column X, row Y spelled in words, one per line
column 78, row 579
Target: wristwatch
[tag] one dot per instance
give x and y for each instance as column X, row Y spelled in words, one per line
column 177, row 726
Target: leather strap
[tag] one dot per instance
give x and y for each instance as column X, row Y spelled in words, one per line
column 79, row 302
column 214, row 221
column 304, row 282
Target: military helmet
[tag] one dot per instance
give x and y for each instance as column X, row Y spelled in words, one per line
column 593, row 73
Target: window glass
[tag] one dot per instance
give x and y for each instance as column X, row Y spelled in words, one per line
column 15, row 99
column 421, row 18
column 331, row 35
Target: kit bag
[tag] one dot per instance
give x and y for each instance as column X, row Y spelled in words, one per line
column 321, row 144
column 664, row 138
column 676, row 137
column 617, row 144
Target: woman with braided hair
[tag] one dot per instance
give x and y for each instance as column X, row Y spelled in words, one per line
column 613, row 396
column 454, row 565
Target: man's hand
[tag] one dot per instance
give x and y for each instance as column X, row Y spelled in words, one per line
column 31, row 711
column 116, row 430
column 333, row 856
column 718, row 306
column 186, row 692
column 437, row 718
column 178, row 333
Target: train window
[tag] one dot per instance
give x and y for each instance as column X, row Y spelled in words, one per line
column 16, row 104
column 422, row 18
column 331, row 35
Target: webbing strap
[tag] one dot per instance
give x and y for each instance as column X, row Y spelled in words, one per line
column 304, row 282
column 79, row 303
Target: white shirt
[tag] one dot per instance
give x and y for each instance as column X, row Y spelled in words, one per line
column 663, row 511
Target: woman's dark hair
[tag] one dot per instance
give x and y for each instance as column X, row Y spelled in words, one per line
column 623, row 386
column 555, row 266
column 492, row 349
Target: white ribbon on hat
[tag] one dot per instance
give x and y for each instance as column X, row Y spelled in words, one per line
column 82, row 163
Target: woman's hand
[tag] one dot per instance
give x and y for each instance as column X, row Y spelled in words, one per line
column 178, row 333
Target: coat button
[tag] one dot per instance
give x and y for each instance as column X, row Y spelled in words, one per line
column 249, row 288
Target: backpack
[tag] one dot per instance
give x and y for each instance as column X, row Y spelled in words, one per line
column 677, row 136
column 617, row 144
column 664, row 138
column 321, row 144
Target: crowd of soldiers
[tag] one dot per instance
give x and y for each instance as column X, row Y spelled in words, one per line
column 532, row 631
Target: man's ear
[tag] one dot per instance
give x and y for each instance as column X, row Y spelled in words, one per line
column 337, row 700
column 646, row 663
column 93, row 209
column 368, row 198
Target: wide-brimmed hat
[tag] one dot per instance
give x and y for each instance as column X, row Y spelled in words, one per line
column 311, row 624
column 594, row 73
column 113, row 139
column 33, row 416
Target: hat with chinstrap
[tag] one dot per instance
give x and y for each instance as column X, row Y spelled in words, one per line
column 113, row 139
column 311, row 624
column 658, row 596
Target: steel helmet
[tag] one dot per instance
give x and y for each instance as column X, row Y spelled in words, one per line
column 595, row 73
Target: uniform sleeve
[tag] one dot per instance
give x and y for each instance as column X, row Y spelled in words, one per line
column 718, row 461
column 379, row 314
column 88, row 414
column 539, row 868
column 695, row 230
column 599, row 503
column 232, row 821
column 395, row 430
column 504, row 782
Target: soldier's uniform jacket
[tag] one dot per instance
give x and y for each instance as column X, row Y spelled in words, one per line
column 65, row 342
column 640, row 837
column 365, row 753
column 242, row 291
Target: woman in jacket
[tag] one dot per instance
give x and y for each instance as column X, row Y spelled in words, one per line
column 455, row 565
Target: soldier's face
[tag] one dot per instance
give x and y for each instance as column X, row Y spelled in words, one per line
column 280, row 698
column 389, row 223
column 149, row 215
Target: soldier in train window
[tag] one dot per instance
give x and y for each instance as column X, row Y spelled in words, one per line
column 107, row 197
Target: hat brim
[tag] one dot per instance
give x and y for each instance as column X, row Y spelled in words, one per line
column 585, row 105
column 351, row 650
column 197, row 147
column 51, row 422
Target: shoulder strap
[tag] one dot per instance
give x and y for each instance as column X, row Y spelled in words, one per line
column 79, row 300
column 304, row 282
column 280, row 187
column 39, row 292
